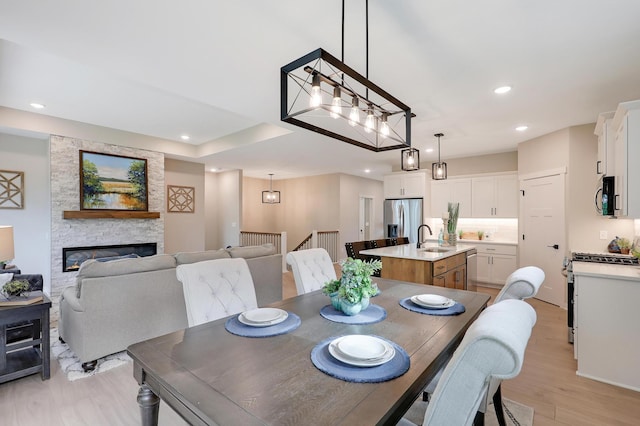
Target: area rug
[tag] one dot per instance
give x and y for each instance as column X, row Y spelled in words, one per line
column 515, row 414
column 71, row 365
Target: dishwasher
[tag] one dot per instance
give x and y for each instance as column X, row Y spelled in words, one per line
column 472, row 270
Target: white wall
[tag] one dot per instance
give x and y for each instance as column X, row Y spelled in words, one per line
column 185, row 231
column 223, row 216
column 31, row 224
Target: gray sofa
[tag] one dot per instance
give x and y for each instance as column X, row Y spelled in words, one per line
column 117, row 303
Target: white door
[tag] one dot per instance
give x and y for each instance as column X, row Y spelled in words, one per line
column 542, row 239
column 366, row 212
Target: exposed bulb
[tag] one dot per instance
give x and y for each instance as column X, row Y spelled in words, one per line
column 354, row 115
column 370, row 122
column 336, row 104
column 316, row 94
column 410, row 160
column 439, row 172
column 384, row 128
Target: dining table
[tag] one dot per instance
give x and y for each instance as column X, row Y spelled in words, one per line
column 211, row 376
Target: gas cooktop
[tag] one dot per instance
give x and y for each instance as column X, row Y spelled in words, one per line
column 611, row 258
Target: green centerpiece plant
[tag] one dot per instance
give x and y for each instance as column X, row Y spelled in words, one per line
column 351, row 292
column 452, row 224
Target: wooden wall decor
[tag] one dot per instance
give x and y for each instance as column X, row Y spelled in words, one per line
column 11, row 189
column 181, row 199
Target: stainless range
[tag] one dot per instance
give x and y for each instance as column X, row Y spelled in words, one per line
column 567, row 270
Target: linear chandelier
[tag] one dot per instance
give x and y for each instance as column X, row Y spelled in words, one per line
column 320, row 93
column 270, row 196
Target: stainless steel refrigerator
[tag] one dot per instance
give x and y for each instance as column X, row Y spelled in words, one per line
column 402, row 218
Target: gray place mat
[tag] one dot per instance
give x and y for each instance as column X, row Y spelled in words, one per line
column 456, row 309
column 325, row 362
column 234, row 326
column 371, row 315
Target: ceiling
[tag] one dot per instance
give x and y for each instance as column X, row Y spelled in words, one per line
column 210, row 69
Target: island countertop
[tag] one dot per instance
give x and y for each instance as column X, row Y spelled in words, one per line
column 410, row 251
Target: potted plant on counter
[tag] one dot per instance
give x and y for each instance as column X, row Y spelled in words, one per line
column 452, row 224
column 350, row 294
column 624, row 244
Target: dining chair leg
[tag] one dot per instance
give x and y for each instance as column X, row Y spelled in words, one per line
column 479, row 419
column 497, row 404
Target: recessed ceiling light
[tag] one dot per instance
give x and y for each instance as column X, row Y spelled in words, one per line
column 37, row 105
column 213, row 169
column 501, row 90
column 429, row 150
column 367, row 170
column 185, row 137
column 522, row 128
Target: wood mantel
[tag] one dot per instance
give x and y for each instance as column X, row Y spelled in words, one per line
column 109, row 214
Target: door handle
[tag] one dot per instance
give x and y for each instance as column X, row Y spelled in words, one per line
column 555, row 246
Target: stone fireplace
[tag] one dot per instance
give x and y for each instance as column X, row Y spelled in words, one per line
column 84, row 232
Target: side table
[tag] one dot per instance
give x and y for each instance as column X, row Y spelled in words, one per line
column 27, row 356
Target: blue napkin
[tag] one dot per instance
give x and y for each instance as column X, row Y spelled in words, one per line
column 234, row 326
column 456, row 309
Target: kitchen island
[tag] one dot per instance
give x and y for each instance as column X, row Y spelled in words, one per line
column 444, row 266
column 606, row 319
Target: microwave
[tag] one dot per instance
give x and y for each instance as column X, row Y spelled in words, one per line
column 608, row 196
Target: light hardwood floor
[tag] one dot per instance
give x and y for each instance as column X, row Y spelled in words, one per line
column 547, row 383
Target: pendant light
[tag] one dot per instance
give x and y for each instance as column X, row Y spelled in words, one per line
column 439, row 169
column 270, row 196
column 410, row 159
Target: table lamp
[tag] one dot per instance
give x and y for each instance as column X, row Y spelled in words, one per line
column 6, row 245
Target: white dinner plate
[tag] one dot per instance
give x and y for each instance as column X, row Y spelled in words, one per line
column 373, row 352
column 430, row 302
column 263, row 317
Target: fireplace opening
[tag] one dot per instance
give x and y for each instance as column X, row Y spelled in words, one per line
column 72, row 257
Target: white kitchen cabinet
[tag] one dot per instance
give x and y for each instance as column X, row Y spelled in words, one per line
column 494, row 196
column 606, row 322
column 451, row 190
column 405, row 185
column 605, row 164
column 495, row 263
column 626, row 123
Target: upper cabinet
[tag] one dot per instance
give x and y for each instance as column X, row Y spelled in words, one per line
column 626, row 125
column 494, row 196
column 604, row 130
column 405, row 185
column 451, row 190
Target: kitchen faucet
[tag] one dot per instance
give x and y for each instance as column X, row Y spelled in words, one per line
column 420, row 242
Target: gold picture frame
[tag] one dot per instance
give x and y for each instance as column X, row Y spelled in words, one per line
column 11, row 189
column 181, row 199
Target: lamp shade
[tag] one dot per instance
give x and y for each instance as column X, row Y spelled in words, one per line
column 6, row 243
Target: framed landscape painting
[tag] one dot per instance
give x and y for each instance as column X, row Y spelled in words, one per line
column 112, row 182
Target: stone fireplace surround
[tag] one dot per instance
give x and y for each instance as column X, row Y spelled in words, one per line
column 65, row 196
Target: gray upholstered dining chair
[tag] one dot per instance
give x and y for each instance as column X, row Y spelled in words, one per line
column 215, row 289
column 522, row 284
column 312, row 268
column 492, row 348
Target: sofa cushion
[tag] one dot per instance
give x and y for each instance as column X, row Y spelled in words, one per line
column 249, row 252
column 200, row 256
column 93, row 268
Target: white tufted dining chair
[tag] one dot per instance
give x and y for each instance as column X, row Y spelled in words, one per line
column 312, row 268
column 492, row 348
column 215, row 289
column 522, row 284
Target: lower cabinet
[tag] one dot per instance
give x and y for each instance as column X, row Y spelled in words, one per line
column 495, row 263
column 451, row 272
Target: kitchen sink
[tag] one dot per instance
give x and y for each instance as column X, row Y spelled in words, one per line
column 435, row 249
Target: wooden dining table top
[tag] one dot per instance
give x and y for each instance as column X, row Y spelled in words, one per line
column 210, row 376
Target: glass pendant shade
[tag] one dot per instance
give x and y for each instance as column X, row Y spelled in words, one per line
column 354, row 115
column 439, row 171
column 410, row 159
column 316, row 93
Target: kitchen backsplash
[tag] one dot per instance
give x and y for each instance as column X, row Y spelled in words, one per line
column 499, row 230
